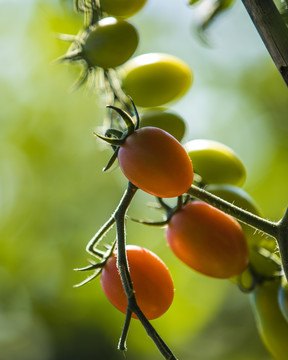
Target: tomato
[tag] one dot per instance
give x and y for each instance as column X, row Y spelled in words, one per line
column 122, row 8
column 239, row 197
column 156, row 162
column 109, row 43
column 164, row 119
column 271, row 324
column 216, row 162
column 283, row 298
column 155, row 79
column 152, row 282
column 208, row 240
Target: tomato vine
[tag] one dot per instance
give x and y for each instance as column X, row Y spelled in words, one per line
column 154, row 161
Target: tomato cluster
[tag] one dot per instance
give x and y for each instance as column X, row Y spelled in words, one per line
column 150, row 155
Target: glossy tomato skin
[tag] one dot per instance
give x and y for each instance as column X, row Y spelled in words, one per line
column 270, row 321
column 156, row 163
column 215, row 162
column 208, row 240
column 152, row 282
column 164, row 119
column 122, row 8
column 155, row 79
column 110, row 43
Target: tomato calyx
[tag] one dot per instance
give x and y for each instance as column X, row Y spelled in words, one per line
column 97, row 266
column 169, row 211
column 256, row 278
column 116, row 137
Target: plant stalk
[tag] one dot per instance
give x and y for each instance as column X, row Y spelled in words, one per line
column 273, row 31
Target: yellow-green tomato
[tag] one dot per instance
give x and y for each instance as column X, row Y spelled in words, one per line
column 110, row 43
column 155, row 79
column 164, row 119
column 122, row 8
column 283, row 298
column 270, row 321
column 215, row 162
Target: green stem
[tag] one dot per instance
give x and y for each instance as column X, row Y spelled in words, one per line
column 123, row 267
column 248, row 218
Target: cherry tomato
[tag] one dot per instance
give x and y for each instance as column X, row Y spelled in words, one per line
column 208, row 240
column 110, row 43
column 156, row 162
column 155, row 79
column 152, row 282
column 271, row 324
column 283, row 298
column 164, row 119
column 216, row 162
column 122, row 8
column 239, row 197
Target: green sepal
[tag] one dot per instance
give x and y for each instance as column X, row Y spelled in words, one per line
column 113, row 142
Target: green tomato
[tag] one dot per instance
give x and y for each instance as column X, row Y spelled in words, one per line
column 122, row 8
column 283, row 298
column 109, row 43
column 215, row 162
column 164, row 119
column 270, row 321
column 155, row 79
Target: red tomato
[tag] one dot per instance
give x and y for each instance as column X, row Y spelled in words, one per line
column 156, row 162
column 208, row 240
column 151, row 279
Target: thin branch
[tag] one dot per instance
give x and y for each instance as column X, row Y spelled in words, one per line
column 123, row 267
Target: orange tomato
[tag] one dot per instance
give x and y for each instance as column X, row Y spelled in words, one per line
column 156, row 162
column 208, row 240
column 152, row 282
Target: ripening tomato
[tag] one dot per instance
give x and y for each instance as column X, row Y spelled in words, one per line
column 208, row 240
column 156, row 162
column 122, row 8
column 155, row 79
column 164, row 119
column 110, row 43
column 283, row 298
column 215, row 162
column 271, row 323
column 239, row 197
column 152, row 282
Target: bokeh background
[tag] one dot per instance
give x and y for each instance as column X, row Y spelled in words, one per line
column 54, row 196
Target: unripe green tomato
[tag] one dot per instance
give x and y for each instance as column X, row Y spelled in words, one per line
column 164, row 119
column 110, row 43
column 215, row 162
column 283, row 298
column 155, row 79
column 270, row 321
column 122, row 8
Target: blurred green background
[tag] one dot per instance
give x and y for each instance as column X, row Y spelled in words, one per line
column 54, row 197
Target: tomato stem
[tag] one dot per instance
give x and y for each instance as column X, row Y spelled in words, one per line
column 123, row 267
